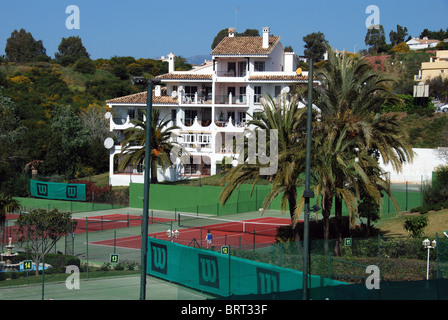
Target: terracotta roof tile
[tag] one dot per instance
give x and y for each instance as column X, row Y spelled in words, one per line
column 278, row 78
column 140, row 98
column 244, row 46
column 185, row 76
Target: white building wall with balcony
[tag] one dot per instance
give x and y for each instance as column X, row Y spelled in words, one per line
column 197, row 99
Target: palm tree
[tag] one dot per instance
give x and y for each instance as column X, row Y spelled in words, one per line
column 161, row 145
column 7, row 205
column 287, row 118
column 349, row 133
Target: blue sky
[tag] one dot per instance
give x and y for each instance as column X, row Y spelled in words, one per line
column 150, row 29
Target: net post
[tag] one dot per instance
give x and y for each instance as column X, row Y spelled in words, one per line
column 256, row 198
column 237, row 200
column 406, row 196
column 230, row 277
column 254, row 240
column 87, row 248
column 239, row 245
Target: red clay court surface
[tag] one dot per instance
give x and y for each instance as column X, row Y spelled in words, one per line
column 91, row 224
column 193, row 236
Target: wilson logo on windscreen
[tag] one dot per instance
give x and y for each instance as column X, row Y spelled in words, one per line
column 42, row 189
column 208, row 271
column 72, row 192
column 268, row 281
column 159, row 258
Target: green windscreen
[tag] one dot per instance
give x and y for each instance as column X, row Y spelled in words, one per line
column 60, row 191
column 222, row 274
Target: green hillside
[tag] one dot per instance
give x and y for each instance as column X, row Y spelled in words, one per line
column 52, row 112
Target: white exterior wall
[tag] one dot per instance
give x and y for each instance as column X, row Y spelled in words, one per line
column 277, row 59
column 277, row 63
column 425, row 161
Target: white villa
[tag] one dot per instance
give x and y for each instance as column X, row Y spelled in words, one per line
column 425, row 43
column 209, row 102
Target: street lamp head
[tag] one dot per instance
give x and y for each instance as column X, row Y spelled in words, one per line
column 155, row 81
column 138, row 80
column 426, row 243
column 434, row 243
column 143, row 81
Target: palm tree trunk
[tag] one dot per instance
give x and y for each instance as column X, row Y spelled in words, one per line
column 292, row 201
column 2, row 233
column 338, row 226
column 154, row 171
column 328, row 201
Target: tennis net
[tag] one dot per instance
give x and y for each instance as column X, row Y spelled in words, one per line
column 253, row 226
column 97, row 224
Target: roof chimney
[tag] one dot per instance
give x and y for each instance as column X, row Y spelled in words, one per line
column 231, row 32
column 171, row 57
column 265, row 38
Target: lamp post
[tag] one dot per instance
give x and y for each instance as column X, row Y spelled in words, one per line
column 428, row 245
column 144, row 236
column 307, row 194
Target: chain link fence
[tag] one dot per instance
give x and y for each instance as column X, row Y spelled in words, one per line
column 106, row 251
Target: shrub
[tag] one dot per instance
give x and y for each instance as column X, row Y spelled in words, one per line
column 415, row 225
column 96, row 193
column 119, row 267
column 105, row 267
column 85, row 65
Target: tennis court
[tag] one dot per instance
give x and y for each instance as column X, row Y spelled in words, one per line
column 113, row 221
column 190, row 230
column 96, row 223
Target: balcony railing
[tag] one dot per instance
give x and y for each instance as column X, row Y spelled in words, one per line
column 241, row 99
column 197, row 141
column 196, row 170
column 231, row 73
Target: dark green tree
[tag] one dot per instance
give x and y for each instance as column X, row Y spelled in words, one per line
column 224, row 33
column 12, row 135
column 180, row 64
column 315, row 45
column 375, row 38
column 21, row 47
column 249, row 33
column 443, row 45
column 120, row 71
column 70, row 50
column 398, row 36
column 41, row 230
column 435, row 35
column 7, row 205
column 84, row 65
column 95, row 156
column 67, row 142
